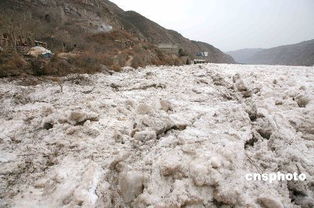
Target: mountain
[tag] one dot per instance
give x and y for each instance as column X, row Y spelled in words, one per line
column 300, row 54
column 156, row 34
column 243, row 55
column 100, row 26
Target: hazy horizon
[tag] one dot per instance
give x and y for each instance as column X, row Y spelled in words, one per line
column 232, row 25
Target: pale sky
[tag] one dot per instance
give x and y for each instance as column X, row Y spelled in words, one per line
column 232, row 24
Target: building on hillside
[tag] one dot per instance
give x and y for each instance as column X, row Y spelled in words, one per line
column 202, row 54
column 200, row 61
column 201, row 57
column 168, row 48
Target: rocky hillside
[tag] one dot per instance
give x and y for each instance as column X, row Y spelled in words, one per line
column 156, row 34
column 301, row 54
column 72, row 25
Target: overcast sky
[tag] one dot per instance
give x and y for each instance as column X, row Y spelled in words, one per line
column 232, row 24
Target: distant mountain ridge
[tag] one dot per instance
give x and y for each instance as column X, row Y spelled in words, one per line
column 300, row 54
column 243, row 55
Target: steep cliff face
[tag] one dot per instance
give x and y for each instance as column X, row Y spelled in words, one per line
column 60, row 20
column 68, row 23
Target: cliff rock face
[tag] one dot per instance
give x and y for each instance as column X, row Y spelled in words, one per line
column 66, row 22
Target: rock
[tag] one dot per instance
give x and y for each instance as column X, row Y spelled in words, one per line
column 269, row 202
column 215, row 162
column 246, row 94
column 144, row 109
column 165, row 105
column 227, row 196
column 256, row 90
column 48, row 122
column 77, row 117
column 199, row 173
column 47, row 125
column 85, row 191
column 241, row 87
column 302, row 101
column 131, row 185
column 263, row 127
column 275, row 81
column 145, row 135
column 80, row 117
column 278, row 102
column 158, row 124
column 39, row 51
column 239, row 84
column 251, row 109
column 170, row 164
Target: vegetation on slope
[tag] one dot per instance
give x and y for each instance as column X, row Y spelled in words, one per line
column 88, row 36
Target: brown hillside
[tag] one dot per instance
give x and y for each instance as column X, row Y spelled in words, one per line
column 96, row 27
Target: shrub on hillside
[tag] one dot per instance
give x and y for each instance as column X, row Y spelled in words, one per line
column 137, row 62
column 182, row 52
column 12, row 64
column 81, row 64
